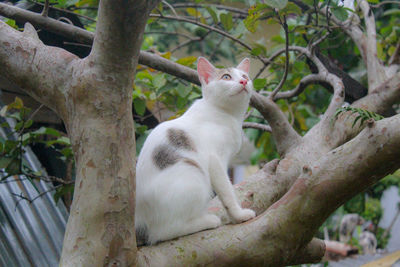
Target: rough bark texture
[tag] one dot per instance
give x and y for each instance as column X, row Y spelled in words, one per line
column 316, row 174
column 93, row 97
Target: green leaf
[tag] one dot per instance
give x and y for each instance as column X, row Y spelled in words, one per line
column 251, row 22
column 391, row 12
column 13, row 167
column 259, row 83
column 226, row 20
column 47, row 131
column 193, row 12
column 278, row 4
column 340, row 13
column 28, row 124
column 63, row 190
column 159, row 80
column 17, row 104
column 144, row 75
column 256, row 51
column 356, row 204
column 139, row 106
column 291, row 8
column 213, row 13
column 4, row 162
column 183, row 90
column 187, row 61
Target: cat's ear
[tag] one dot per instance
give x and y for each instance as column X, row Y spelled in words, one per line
column 244, row 65
column 205, row 70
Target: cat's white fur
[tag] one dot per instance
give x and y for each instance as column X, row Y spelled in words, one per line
column 185, row 159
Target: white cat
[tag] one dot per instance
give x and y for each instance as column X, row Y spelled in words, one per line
column 184, row 160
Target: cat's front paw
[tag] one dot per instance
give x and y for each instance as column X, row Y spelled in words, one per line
column 243, row 215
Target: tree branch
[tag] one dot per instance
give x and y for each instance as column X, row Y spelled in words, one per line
column 319, row 190
column 152, row 60
column 279, row 86
column 29, row 63
column 119, row 37
column 284, row 134
column 376, row 72
column 304, row 82
column 258, row 126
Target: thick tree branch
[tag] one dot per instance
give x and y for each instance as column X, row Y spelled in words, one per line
column 376, row 72
column 26, row 61
column 119, row 33
column 85, row 37
column 320, row 189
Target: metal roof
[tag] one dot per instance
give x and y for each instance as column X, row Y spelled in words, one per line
column 31, row 234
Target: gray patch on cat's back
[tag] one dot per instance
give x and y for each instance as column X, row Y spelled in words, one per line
column 164, row 156
column 179, row 139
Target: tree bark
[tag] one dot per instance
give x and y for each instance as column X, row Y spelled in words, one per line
column 317, row 173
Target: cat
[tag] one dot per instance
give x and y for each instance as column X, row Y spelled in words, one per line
column 183, row 161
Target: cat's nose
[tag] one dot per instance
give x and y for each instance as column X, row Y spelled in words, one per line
column 244, row 82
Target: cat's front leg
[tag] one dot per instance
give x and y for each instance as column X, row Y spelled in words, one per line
column 224, row 189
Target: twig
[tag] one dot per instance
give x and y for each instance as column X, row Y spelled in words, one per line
column 66, row 20
column 169, row 33
column 395, row 57
column 258, row 126
column 185, row 43
column 22, row 197
column 385, row 3
column 290, row 112
column 241, row 12
column 48, row 178
column 77, row 44
column 328, row 15
column 304, row 82
column 221, row 32
column 45, row 11
column 316, row 12
column 68, row 11
column 170, row 7
column 285, row 27
column 248, row 114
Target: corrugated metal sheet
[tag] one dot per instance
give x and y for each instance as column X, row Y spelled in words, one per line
column 31, row 234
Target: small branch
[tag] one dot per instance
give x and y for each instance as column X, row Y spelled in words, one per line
column 45, row 11
column 241, row 12
column 169, row 33
column 22, row 197
column 48, row 178
column 170, row 7
column 394, row 59
column 304, row 82
column 187, row 42
column 285, row 27
column 65, row 11
column 257, row 126
column 221, row 32
column 385, row 3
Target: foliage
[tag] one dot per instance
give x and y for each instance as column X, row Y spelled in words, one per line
column 362, row 116
column 21, row 133
column 182, row 42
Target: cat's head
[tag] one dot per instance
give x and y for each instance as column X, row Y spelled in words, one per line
column 225, row 87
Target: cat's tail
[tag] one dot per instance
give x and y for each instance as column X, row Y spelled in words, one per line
column 142, row 235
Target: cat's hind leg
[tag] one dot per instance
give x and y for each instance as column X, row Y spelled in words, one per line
column 204, row 222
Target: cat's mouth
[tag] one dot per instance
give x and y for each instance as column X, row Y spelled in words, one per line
column 243, row 89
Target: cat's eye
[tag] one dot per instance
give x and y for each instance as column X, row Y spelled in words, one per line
column 226, row 77
column 245, row 77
